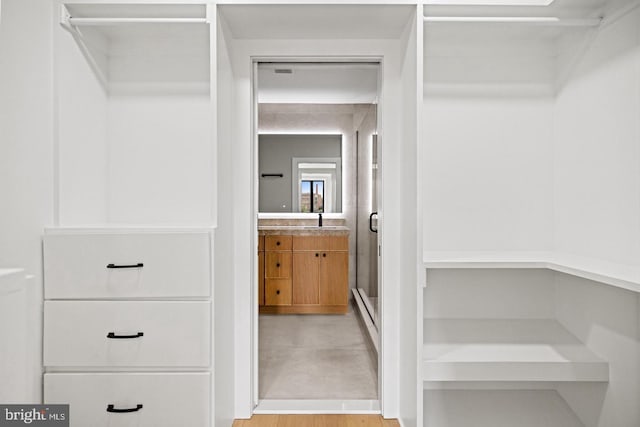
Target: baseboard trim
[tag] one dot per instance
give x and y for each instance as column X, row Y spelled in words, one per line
column 308, row 406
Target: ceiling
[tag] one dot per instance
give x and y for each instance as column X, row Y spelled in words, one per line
column 318, row 83
column 316, row 21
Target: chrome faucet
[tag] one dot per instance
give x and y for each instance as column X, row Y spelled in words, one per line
column 319, row 220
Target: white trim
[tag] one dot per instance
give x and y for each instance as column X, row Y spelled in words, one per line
column 318, row 407
column 260, row 404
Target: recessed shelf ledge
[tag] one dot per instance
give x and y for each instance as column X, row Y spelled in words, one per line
column 609, row 273
column 507, row 350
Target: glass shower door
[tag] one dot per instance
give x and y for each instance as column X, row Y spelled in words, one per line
column 368, row 180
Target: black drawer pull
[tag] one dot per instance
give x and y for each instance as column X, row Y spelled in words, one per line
column 113, row 335
column 113, row 409
column 278, row 265
column 277, row 243
column 278, row 292
column 138, row 265
column 317, row 254
column 324, row 255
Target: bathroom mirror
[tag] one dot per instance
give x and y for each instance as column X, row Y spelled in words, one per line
column 300, row 173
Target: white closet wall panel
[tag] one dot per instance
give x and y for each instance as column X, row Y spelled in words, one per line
column 487, row 172
column 82, row 129
column 26, row 161
column 597, row 147
column 473, row 294
column 161, row 153
column 606, row 320
column 224, row 289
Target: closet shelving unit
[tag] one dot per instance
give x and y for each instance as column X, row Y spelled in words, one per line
column 498, row 345
column 134, row 210
column 134, row 108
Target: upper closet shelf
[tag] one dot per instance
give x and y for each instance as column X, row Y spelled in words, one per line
column 507, row 350
column 618, row 275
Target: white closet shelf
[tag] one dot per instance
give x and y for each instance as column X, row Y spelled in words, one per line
column 613, row 274
column 507, row 350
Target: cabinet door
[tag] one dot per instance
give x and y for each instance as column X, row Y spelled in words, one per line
column 261, row 278
column 306, row 270
column 278, row 265
column 334, row 278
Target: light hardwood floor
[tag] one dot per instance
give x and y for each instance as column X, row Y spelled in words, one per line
column 316, row 421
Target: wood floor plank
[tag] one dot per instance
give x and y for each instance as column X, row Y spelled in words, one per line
column 295, row 421
column 258, row 421
column 329, row 421
column 364, row 421
column 316, row 421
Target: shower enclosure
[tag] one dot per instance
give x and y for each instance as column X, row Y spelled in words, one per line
column 367, row 236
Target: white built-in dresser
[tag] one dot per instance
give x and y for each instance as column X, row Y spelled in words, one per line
column 127, row 326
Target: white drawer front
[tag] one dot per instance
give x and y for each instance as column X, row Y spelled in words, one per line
column 175, row 334
column 172, row 265
column 168, row 400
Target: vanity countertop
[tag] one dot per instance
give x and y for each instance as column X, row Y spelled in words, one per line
column 305, row 230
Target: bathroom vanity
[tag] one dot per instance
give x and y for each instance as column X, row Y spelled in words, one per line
column 303, row 269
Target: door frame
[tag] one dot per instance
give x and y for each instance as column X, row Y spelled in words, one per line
column 340, row 406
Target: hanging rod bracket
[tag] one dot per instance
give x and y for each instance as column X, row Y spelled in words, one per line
column 65, row 17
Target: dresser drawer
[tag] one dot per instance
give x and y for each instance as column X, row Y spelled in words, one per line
column 127, row 334
column 159, row 400
column 127, row 265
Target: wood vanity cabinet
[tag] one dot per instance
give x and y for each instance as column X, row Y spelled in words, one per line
column 305, row 274
column 261, row 270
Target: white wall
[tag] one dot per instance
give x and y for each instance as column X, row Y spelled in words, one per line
column 224, row 283
column 81, row 125
column 597, row 146
column 240, row 152
column 404, row 240
column 160, row 159
column 473, row 294
column 488, row 134
column 26, row 153
column 606, row 320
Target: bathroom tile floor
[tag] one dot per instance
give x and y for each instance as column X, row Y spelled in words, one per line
column 316, row 357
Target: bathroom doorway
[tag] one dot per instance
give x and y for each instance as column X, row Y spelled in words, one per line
column 317, row 154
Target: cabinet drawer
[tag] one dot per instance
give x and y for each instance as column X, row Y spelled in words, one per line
column 277, row 292
column 167, row 400
column 76, row 333
column 277, row 243
column 320, row 243
column 278, row 265
column 127, row 265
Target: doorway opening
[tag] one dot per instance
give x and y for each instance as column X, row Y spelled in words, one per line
column 317, row 184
